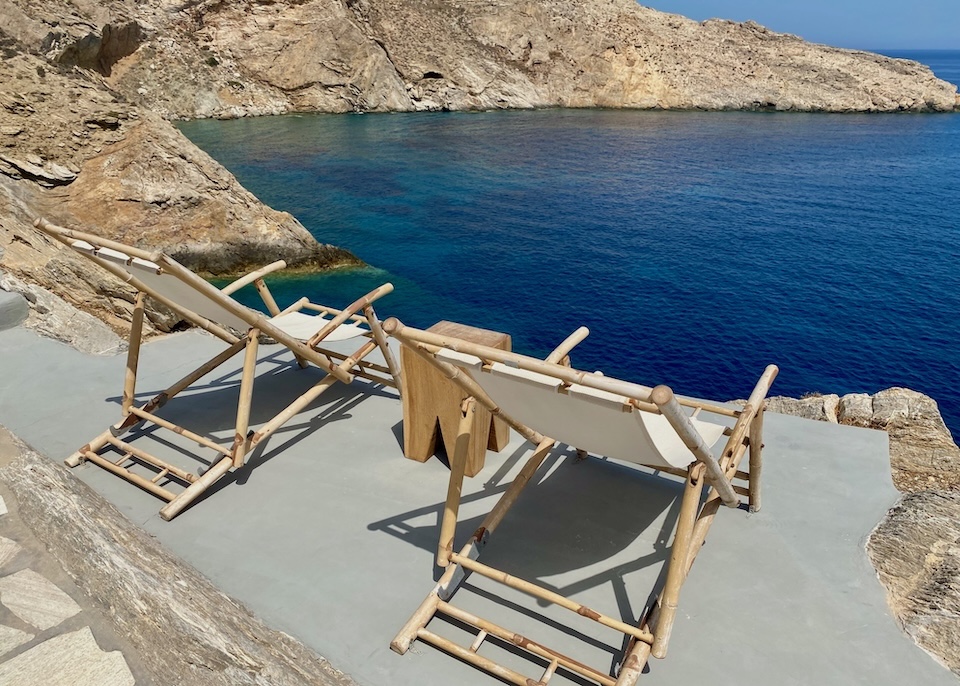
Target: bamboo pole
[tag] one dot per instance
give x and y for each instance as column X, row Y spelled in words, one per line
column 676, row 572
column 93, row 446
column 381, row 340
column 64, row 235
column 756, row 462
column 633, row 664
column 509, row 497
column 333, row 311
column 136, row 479
column 667, row 402
column 175, row 506
column 447, row 584
column 296, row 306
column 188, row 314
column 246, row 397
column 501, row 672
column 163, row 397
column 143, row 455
column 421, row 616
column 568, row 344
column 235, row 286
column 166, row 424
column 308, row 397
column 448, row 525
column 409, row 335
column 267, row 297
column 469, row 386
column 364, row 365
column 525, row 643
column 551, row 597
column 356, row 306
column 254, row 319
column 133, row 356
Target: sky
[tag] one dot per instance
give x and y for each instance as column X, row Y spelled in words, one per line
column 859, row 24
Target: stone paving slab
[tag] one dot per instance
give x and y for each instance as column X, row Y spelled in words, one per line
column 72, row 659
column 8, row 551
column 35, row 600
column 11, row 638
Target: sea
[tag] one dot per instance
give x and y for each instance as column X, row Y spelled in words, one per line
column 697, row 247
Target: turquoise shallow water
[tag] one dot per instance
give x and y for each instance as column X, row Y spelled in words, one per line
column 697, row 247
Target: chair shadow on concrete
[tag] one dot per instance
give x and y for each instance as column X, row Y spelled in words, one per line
column 210, row 408
column 547, row 533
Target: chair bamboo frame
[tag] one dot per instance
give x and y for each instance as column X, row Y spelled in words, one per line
column 330, row 323
column 705, row 473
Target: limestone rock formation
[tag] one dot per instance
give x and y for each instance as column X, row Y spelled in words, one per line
column 916, row 551
column 209, row 58
column 74, row 151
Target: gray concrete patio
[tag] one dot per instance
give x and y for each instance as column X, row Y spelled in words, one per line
column 329, row 533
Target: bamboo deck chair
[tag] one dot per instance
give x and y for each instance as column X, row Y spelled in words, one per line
column 546, row 402
column 173, row 285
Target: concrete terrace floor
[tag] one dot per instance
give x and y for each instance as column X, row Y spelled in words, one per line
column 329, row 533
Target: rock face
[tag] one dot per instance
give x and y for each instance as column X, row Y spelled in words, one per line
column 210, row 58
column 73, row 150
column 916, row 548
column 916, row 551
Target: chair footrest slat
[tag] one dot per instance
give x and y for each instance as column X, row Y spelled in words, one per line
column 197, row 438
column 145, row 484
column 486, row 627
column 494, row 668
column 156, row 462
column 551, row 597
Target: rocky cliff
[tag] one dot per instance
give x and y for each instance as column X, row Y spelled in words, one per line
column 211, row 58
column 76, row 151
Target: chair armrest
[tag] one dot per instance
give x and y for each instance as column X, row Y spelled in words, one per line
column 355, row 306
column 235, row 286
column 571, row 341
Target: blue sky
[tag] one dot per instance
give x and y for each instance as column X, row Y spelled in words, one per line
column 864, row 24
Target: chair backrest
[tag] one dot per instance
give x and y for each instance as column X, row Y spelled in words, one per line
column 591, row 419
column 167, row 285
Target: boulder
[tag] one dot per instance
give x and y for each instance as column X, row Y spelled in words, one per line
column 916, row 552
column 818, row 407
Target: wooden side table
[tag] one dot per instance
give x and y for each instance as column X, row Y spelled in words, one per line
column 432, row 402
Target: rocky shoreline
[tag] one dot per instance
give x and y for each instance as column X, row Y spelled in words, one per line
column 87, row 91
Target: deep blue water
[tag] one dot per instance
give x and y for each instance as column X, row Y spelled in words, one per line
column 698, row 247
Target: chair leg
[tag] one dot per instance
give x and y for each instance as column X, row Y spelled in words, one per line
column 133, row 356
column 677, row 571
column 380, row 337
column 196, row 489
column 756, row 461
column 458, row 465
column 247, row 378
